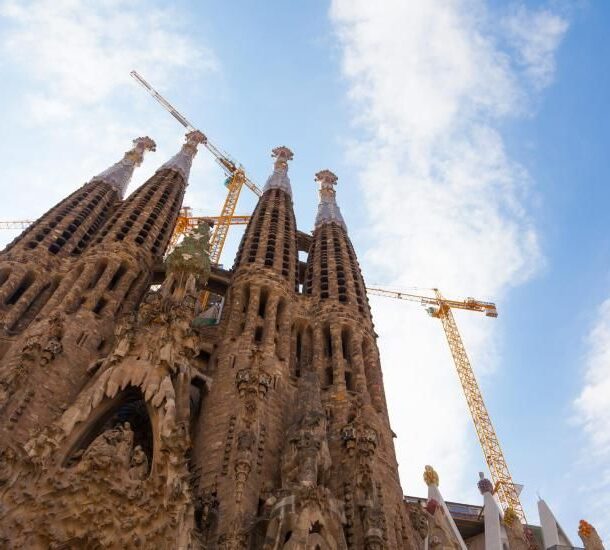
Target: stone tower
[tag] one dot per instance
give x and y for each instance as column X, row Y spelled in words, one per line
column 132, row 421
column 48, row 362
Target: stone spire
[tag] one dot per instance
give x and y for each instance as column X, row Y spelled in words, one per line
column 328, row 211
column 181, row 162
column 279, row 178
column 492, row 514
column 119, row 174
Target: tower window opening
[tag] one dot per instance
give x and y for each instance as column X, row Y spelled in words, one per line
column 328, row 377
column 349, row 383
column 258, row 335
column 101, row 303
column 117, row 277
column 19, row 291
column 99, row 271
column 262, row 304
column 297, row 370
column 328, row 344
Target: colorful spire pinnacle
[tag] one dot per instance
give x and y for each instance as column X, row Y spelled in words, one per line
column 181, row 162
column 119, row 174
column 328, row 211
column 279, row 178
column 484, row 485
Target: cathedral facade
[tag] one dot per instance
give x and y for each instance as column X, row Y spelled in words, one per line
column 129, row 420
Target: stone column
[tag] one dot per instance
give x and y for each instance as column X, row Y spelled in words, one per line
column 337, row 359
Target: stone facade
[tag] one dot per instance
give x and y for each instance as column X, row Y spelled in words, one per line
column 131, row 421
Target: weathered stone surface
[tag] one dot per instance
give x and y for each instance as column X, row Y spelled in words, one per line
column 138, row 424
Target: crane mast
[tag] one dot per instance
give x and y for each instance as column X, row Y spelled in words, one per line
column 440, row 307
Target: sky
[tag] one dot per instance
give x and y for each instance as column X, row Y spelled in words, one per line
column 470, row 139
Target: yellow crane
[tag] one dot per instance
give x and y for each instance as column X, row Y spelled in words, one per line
column 186, row 221
column 440, row 307
column 236, row 179
column 18, row 224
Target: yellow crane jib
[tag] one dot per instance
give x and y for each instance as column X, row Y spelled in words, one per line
column 440, row 307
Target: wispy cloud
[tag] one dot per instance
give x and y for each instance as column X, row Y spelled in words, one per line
column 84, row 109
column 431, row 85
column 535, row 50
column 593, row 414
column 81, row 52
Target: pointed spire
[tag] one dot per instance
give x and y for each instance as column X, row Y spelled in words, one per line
column 491, row 514
column 328, row 211
column 119, row 174
column 279, row 179
column 552, row 533
column 181, row 162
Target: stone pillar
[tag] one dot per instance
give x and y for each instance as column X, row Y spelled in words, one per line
column 337, row 359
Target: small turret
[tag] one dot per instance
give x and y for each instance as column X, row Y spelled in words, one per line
column 328, row 210
column 182, row 161
column 119, row 174
column 279, row 178
column 270, row 239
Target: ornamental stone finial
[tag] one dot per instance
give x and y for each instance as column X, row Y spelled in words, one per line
column 181, row 162
column 589, row 536
column 430, row 476
column 279, row 178
column 119, row 174
column 484, row 485
column 140, row 145
column 327, row 179
column 328, row 210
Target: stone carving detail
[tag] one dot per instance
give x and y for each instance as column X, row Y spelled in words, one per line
column 440, row 535
column 589, row 536
column 105, row 486
column 40, row 348
column 304, row 512
column 517, row 535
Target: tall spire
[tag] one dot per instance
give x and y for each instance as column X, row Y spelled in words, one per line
column 119, row 174
column 181, row 162
column 279, row 179
column 328, row 211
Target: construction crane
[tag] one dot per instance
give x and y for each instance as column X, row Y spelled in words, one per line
column 186, row 221
column 236, row 179
column 440, row 308
column 19, row 224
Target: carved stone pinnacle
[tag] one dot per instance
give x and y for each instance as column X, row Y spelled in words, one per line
column 326, row 178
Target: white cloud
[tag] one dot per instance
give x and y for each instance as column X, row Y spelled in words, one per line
column 535, row 35
column 593, row 414
column 81, row 52
column 84, row 109
column 430, row 84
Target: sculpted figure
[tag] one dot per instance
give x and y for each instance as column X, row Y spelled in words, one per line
column 139, row 464
column 7, row 462
column 124, row 335
column 109, row 447
column 306, row 458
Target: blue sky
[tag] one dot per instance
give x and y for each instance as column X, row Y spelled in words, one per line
column 470, row 141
